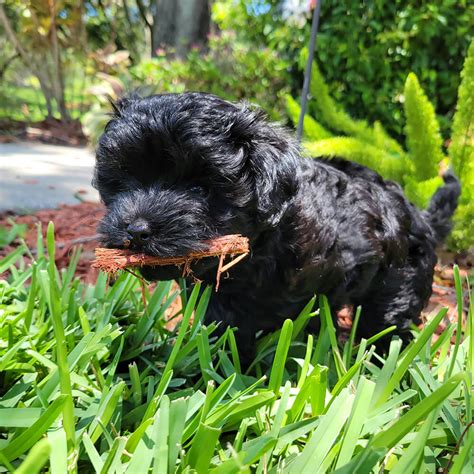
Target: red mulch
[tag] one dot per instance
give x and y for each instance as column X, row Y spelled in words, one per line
column 50, row 130
column 76, row 225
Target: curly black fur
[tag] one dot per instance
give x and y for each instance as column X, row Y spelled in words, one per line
column 189, row 167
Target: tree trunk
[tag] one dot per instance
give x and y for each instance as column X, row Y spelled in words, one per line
column 57, row 73
column 47, row 97
column 180, row 24
column 148, row 20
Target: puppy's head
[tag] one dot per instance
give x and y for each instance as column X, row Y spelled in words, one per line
column 177, row 169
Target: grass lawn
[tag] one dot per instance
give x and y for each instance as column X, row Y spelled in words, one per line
column 93, row 379
column 25, row 102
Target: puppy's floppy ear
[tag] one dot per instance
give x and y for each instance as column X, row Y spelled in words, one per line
column 271, row 159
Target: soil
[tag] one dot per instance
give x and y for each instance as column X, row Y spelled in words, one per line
column 76, row 225
column 50, row 130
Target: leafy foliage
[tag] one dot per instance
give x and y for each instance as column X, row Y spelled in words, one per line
column 417, row 169
column 366, row 49
column 311, row 128
column 361, row 152
column 422, row 131
column 231, row 69
column 96, row 378
column 461, row 150
column 335, row 117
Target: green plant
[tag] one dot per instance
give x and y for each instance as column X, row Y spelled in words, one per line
column 416, row 169
column 366, row 49
column 461, row 151
column 230, row 69
column 94, row 380
column 10, row 233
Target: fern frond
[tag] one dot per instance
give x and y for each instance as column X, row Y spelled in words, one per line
column 420, row 192
column 384, row 140
column 462, row 236
column 461, row 150
column 332, row 113
column 312, row 130
column 422, row 130
column 336, row 118
column 389, row 166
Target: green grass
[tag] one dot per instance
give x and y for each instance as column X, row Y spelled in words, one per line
column 92, row 381
column 25, row 102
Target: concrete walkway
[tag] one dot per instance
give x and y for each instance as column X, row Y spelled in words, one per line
column 37, row 176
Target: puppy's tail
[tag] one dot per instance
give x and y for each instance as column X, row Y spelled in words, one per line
column 442, row 206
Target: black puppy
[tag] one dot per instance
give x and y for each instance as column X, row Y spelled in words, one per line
column 177, row 169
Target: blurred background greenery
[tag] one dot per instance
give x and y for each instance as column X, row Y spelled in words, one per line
column 75, row 53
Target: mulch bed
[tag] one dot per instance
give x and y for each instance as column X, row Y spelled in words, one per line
column 51, row 131
column 76, row 225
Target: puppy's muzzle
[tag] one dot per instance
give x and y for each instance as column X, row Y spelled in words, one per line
column 139, row 232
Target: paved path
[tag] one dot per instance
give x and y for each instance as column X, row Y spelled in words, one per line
column 37, row 176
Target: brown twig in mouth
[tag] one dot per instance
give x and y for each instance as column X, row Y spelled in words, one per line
column 112, row 260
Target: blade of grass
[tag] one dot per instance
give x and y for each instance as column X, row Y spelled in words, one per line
column 107, row 406
column 349, row 346
column 29, row 437
column 234, row 350
column 177, row 420
column 386, row 373
column 323, row 438
column 331, row 331
column 36, row 459
column 388, row 438
column 279, row 362
column 410, row 459
column 356, row 421
column 306, row 362
column 94, row 456
column 407, row 357
column 113, row 458
column 11, row 258
column 160, row 438
column 303, row 318
column 459, row 301
column 61, row 346
column 465, row 453
column 59, row 455
column 202, row 448
column 201, row 309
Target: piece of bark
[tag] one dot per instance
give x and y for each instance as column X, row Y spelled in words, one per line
column 112, row 260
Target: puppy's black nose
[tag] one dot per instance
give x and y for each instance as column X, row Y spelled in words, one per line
column 139, row 232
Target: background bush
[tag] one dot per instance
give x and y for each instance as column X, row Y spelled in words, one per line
column 366, row 49
column 417, row 163
column 230, row 68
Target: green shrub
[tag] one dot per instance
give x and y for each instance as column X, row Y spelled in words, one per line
column 230, row 69
column 94, row 380
column 422, row 131
column 366, row 49
column 461, row 152
column 417, row 168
